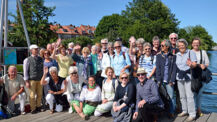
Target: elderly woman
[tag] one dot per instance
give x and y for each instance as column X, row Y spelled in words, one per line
column 148, row 100
column 120, row 61
column 49, row 62
column 89, row 98
column 83, row 63
column 64, row 61
column 73, row 88
column 139, row 45
column 107, row 59
column 166, row 72
column 202, row 63
column 148, row 61
column 108, row 92
column 55, row 89
column 185, row 60
column 14, row 87
column 124, row 101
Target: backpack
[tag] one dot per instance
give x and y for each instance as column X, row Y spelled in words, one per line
column 142, row 57
column 123, row 55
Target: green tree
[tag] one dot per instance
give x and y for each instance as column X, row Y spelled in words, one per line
column 36, row 16
column 190, row 32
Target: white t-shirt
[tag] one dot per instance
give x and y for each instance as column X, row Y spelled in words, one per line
column 93, row 96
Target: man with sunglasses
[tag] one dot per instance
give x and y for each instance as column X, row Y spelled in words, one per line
column 148, row 100
column 104, row 44
column 120, row 61
column 173, row 38
column 166, row 72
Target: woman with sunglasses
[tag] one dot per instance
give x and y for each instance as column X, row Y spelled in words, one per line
column 148, row 101
column 124, row 101
column 49, row 62
column 73, row 88
column 109, row 86
column 166, row 72
column 83, row 63
column 148, row 61
column 89, row 99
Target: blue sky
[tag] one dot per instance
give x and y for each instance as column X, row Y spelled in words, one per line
column 89, row 12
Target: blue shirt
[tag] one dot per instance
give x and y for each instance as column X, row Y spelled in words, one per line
column 148, row 63
column 181, row 62
column 148, row 92
column 119, row 62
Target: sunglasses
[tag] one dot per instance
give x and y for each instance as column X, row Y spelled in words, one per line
column 117, row 47
column 140, row 75
column 124, row 78
column 163, row 46
column 46, row 53
column 74, row 73
column 148, row 49
column 104, row 43
column 173, row 38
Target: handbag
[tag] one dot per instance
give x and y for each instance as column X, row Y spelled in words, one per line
column 206, row 75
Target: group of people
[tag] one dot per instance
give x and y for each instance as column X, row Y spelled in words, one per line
column 110, row 78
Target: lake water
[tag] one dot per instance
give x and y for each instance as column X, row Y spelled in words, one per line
column 209, row 102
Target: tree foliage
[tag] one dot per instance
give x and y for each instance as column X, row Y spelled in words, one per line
column 190, row 32
column 142, row 18
column 82, row 40
column 36, row 16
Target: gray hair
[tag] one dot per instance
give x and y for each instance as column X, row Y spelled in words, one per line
column 12, row 67
column 110, row 44
column 73, row 69
column 70, row 44
column 52, row 69
column 105, row 39
column 140, row 41
column 118, row 42
column 146, row 44
column 155, row 38
column 94, row 47
column 182, row 41
column 167, row 42
column 173, row 34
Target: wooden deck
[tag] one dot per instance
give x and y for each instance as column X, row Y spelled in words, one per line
column 66, row 117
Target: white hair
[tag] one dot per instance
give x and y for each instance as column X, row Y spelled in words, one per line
column 73, row 69
column 173, row 34
column 105, row 39
column 182, row 41
column 12, row 67
column 52, row 69
column 70, row 44
column 140, row 41
column 147, row 44
column 94, row 47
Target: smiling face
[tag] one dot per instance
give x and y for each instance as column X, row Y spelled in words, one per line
column 147, row 50
column 12, row 72
column 91, row 81
column 117, row 47
column 109, row 73
column 156, row 43
column 124, row 79
column 182, row 47
column 164, row 48
column 141, row 77
column 196, row 44
column 173, row 39
column 63, row 51
column 46, row 54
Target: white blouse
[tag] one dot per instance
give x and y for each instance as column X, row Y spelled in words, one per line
column 93, row 96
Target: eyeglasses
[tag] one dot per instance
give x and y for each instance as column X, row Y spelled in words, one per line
column 140, row 75
column 74, row 73
column 104, row 43
column 124, row 78
column 117, row 47
column 163, row 46
column 173, row 38
column 148, row 49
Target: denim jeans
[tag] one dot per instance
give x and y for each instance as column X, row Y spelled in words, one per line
column 170, row 91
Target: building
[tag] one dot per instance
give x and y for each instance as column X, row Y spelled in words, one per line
column 70, row 31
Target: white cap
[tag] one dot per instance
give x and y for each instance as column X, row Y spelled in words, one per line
column 33, row 46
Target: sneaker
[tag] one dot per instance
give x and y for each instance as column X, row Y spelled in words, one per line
column 23, row 113
column 70, row 110
column 182, row 114
column 34, row 111
column 190, row 119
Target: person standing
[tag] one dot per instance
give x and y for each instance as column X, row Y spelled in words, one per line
column 33, row 72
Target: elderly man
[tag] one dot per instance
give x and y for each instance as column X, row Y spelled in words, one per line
column 173, row 38
column 120, row 60
column 156, row 45
column 33, row 72
column 104, row 43
column 148, row 100
column 14, row 86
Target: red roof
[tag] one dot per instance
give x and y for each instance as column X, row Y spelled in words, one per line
column 73, row 30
